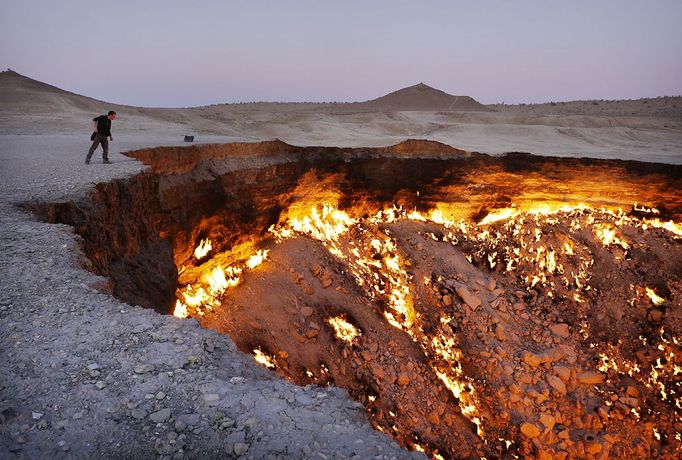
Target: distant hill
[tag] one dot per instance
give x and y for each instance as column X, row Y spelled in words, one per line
column 664, row 106
column 423, row 97
column 22, row 94
column 19, row 93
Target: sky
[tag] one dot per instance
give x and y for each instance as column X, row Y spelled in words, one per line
column 177, row 53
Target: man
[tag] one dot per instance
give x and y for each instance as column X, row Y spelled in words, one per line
column 102, row 127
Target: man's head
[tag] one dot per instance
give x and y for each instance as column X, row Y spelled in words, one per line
column 111, row 115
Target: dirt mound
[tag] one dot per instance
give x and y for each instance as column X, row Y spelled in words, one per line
column 423, row 97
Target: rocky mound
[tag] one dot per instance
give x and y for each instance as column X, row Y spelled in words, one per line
column 423, row 97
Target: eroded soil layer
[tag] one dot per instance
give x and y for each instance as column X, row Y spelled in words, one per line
column 475, row 305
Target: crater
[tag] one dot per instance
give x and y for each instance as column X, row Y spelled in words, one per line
column 475, row 305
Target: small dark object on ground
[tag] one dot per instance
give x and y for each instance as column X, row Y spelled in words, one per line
column 189, row 138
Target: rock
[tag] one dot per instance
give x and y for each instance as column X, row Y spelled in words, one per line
column 143, row 368
column 632, row 402
column 37, row 415
column 240, row 449
column 160, row 395
column 500, row 333
column 94, row 367
column 591, row 378
column 403, row 379
column 530, row 430
column 560, row 330
column 326, row 280
column 655, row 315
column 138, row 414
column 468, row 297
column 211, row 399
column 557, row 384
column 563, row 373
column 100, row 384
column 447, row 300
column 547, row 420
column 532, row 359
column 306, row 311
column 312, row 333
column 180, row 425
column 544, row 455
column 593, row 447
column 161, row 415
column 632, row 391
column 603, row 412
column 491, row 284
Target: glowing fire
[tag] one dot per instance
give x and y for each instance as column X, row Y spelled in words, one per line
column 257, row 259
column 543, row 246
column 655, row 298
column 207, row 293
column 203, row 249
column 343, row 329
column 262, row 358
column 607, row 235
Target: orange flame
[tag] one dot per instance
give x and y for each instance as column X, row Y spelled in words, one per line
column 204, row 248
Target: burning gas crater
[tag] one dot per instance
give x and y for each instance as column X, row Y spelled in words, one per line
column 540, row 331
column 512, row 306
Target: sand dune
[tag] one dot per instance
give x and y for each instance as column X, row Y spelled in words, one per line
column 646, row 129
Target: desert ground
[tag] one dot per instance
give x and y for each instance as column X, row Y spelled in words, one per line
column 89, row 375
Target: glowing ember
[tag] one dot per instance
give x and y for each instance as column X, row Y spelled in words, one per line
column 203, row 249
column 667, row 225
column 257, row 259
column 607, row 235
column 262, row 358
column 343, row 329
column 180, row 310
column 655, row 298
column 500, row 214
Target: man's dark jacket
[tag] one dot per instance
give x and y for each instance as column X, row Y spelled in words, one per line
column 103, row 125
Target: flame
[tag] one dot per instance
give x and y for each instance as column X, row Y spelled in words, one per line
column 180, row 310
column 343, row 329
column 607, row 235
column 655, row 298
column 262, row 358
column 541, row 244
column 203, row 249
column 668, row 225
column 500, row 214
column 257, row 259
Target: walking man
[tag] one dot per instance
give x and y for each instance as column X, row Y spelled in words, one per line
column 102, row 127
